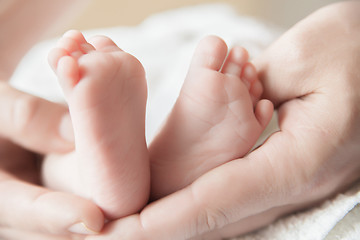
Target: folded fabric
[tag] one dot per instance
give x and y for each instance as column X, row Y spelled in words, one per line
column 337, row 218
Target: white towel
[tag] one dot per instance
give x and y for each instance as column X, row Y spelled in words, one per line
column 164, row 43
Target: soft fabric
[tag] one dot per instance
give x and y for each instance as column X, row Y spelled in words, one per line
column 164, row 43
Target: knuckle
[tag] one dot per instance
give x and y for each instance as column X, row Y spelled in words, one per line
column 215, row 219
column 209, row 217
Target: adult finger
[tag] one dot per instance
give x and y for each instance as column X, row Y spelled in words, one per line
column 287, row 169
column 227, row 194
column 223, row 196
column 249, row 224
column 27, row 207
column 16, row 234
column 183, row 215
column 34, row 123
column 299, row 62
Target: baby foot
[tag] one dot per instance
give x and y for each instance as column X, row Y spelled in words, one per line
column 217, row 118
column 106, row 91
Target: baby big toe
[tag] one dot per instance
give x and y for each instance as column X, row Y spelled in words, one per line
column 210, row 53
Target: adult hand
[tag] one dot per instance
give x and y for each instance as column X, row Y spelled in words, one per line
column 312, row 75
column 27, row 210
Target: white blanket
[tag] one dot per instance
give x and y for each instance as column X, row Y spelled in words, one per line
column 164, row 43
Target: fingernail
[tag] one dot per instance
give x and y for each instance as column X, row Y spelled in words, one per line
column 66, row 128
column 81, row 228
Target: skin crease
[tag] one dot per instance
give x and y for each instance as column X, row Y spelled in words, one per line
column 311, row 75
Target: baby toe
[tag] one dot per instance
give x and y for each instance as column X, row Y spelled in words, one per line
column 104, row 44
column 235, row 61
column 54, row 56
column 250, row 79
